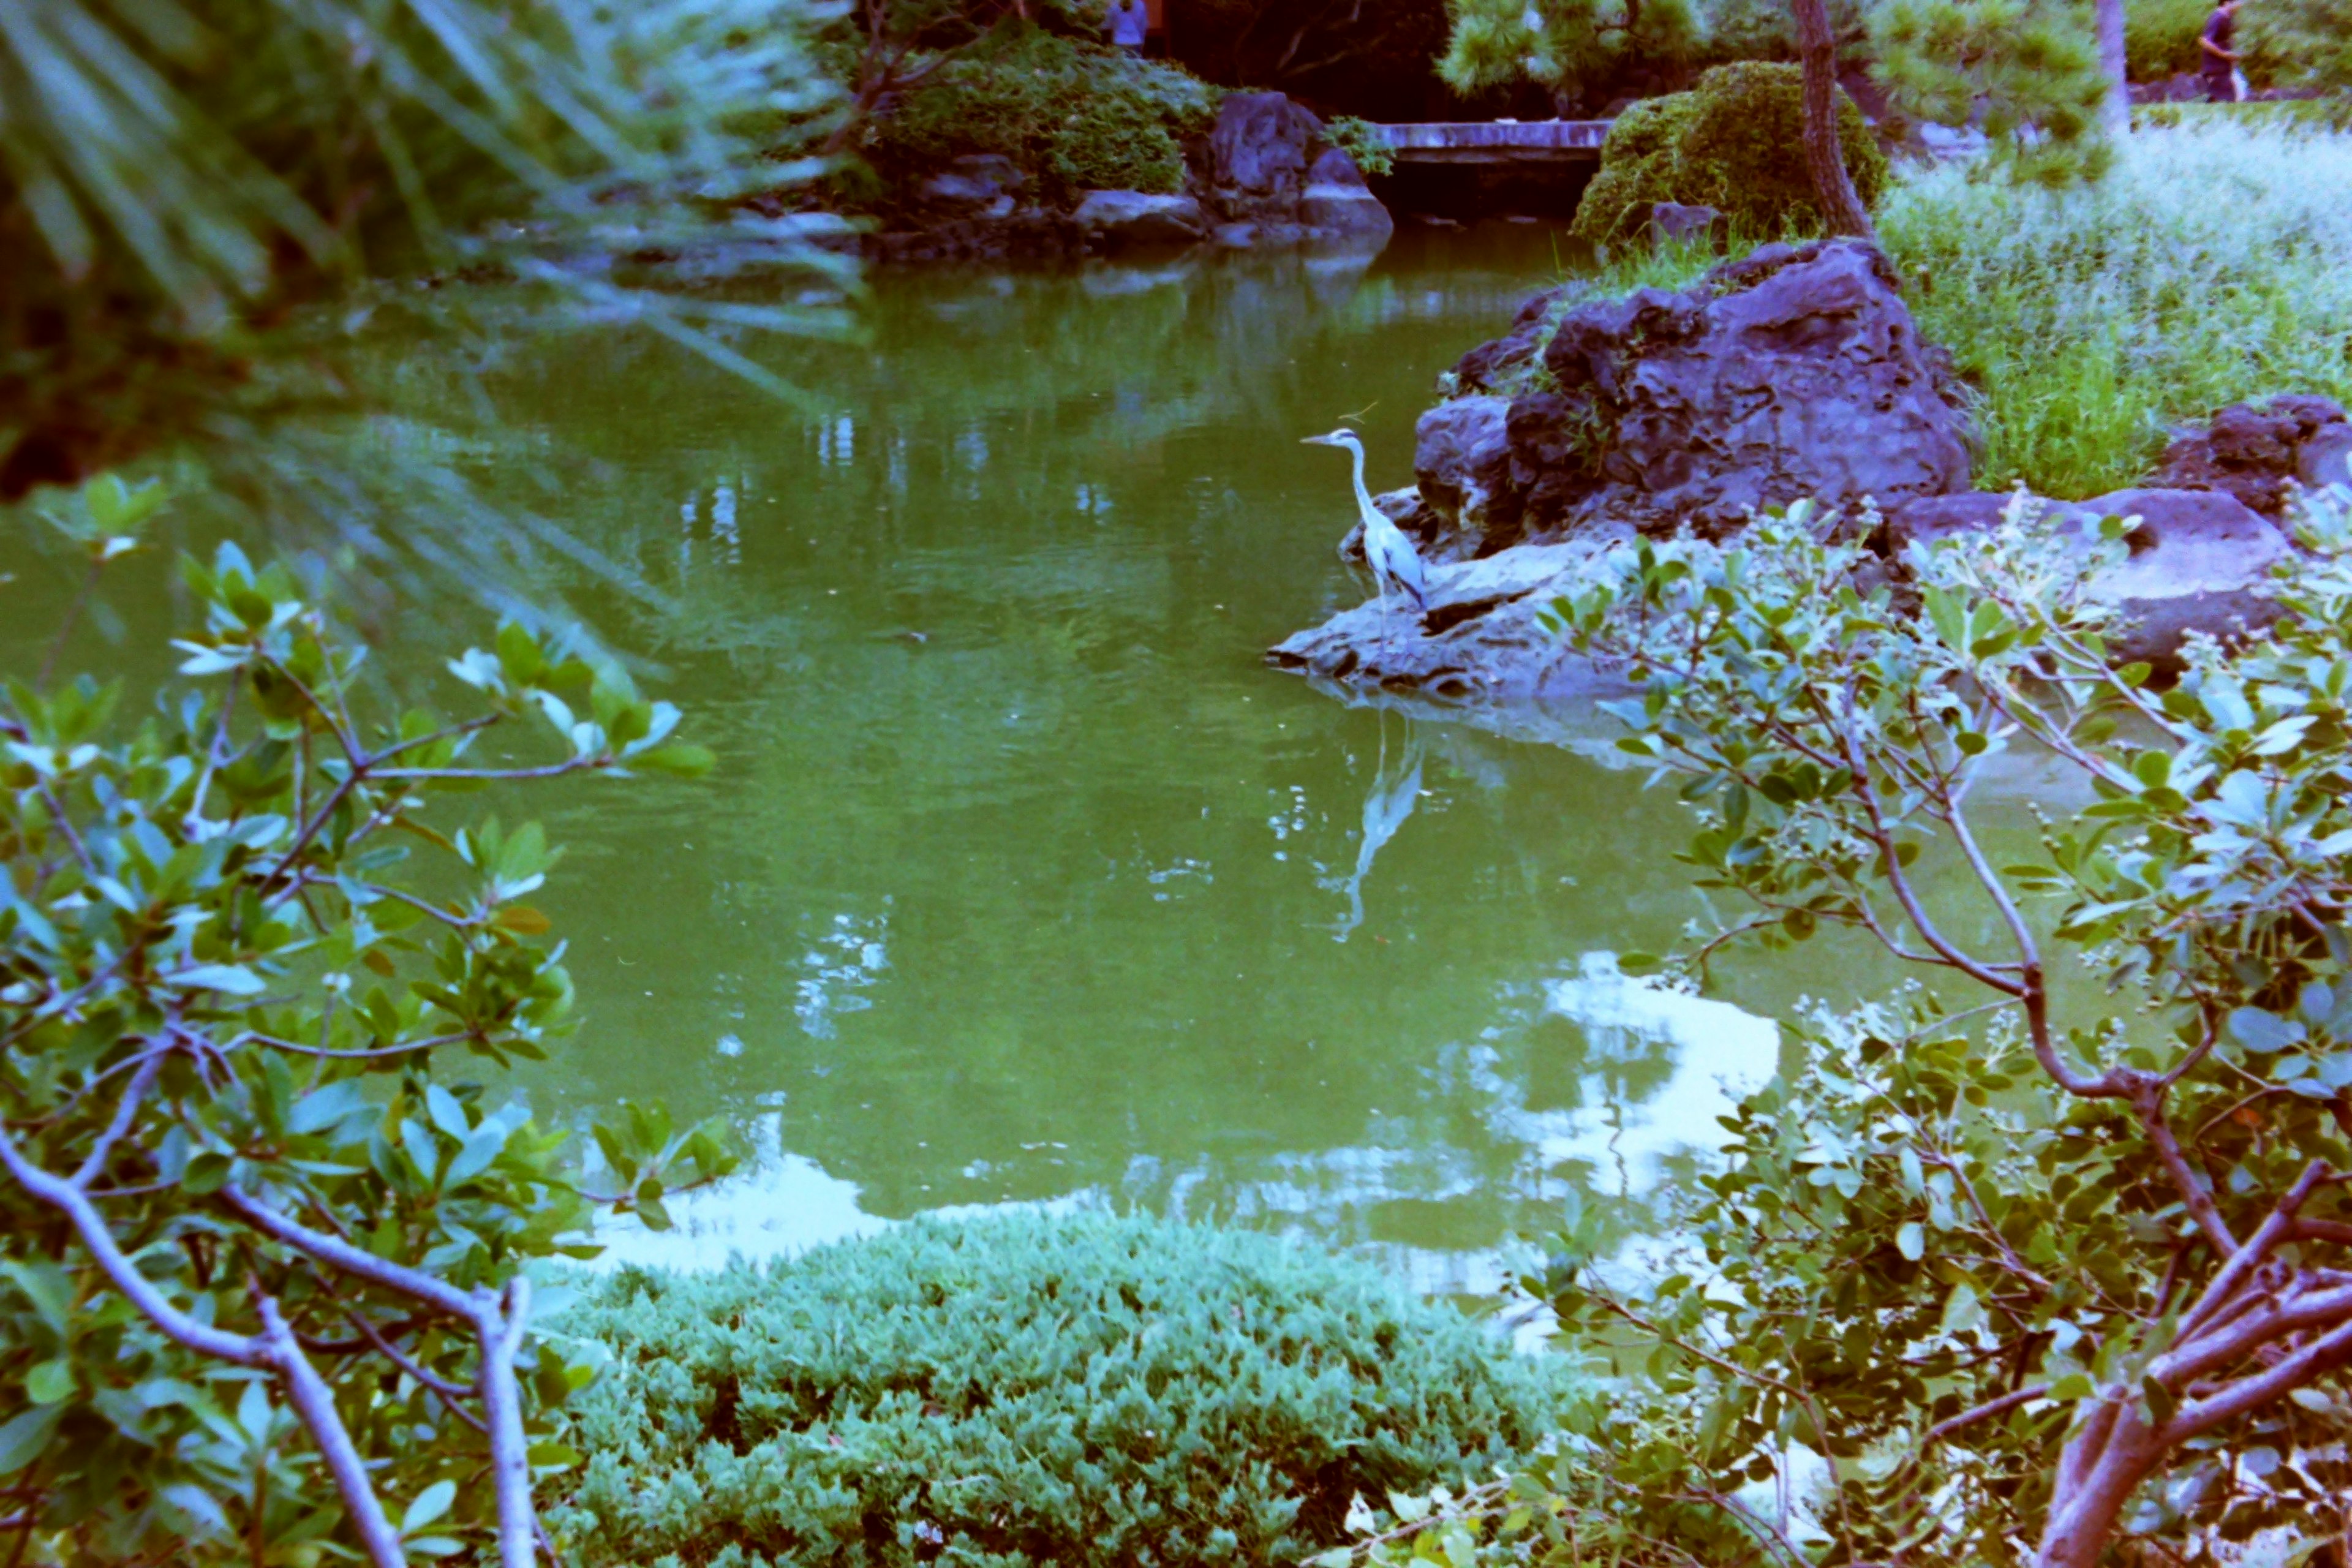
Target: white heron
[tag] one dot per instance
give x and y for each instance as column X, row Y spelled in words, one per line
column 1390, row 555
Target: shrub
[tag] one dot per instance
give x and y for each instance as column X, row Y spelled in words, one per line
column 2160, row 37
column 1734, row 143
column 2205, row 269
column 1074, row 116
column 1022, row 1390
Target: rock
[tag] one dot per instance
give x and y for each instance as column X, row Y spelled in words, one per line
column 2252, row 452
column 2326, row 458
column 1479, row 641
column 2200, row 561
column 1486, row 366
column 1461, row 463
column 1267, row 164
column 1794, row 373
column 1258, row 156
column 1680, row 223
column 1950, row 143
column 982, row 184
column 1113, row 219
column 1337, row 204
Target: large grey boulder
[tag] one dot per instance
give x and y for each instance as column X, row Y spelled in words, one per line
column 1337, row 204
column 1462, row 465
column 1258, row 157
column 1112, row 220
column 1479, row 641
column 1270, row 178
column 1794, row 373
column 2200, row 560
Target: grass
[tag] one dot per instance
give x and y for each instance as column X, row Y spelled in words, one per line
column 2209, row 267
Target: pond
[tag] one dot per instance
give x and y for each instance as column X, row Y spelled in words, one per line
column 1023, row 879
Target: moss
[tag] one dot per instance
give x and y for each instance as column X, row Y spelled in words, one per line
column 1734, row 143
column 1023, row 1390
column 1072, row 115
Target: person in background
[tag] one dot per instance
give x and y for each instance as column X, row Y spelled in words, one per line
column 2215, row 54
column 1130, row 24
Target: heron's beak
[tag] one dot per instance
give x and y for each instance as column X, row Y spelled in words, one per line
column 1315, row 440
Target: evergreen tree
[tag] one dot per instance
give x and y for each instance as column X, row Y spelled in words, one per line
column 2026, row 71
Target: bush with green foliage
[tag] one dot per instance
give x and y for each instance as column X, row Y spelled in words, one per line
column 267, row 1228
column 1361, row 141
column 1733, row 143
column 2015, row 1272
column 1022, row 1389
column 1073, row 115
column 2025, row 72
column 2160, row 37
column 1577, row 49
column 2206, row 268
column 2300, row 43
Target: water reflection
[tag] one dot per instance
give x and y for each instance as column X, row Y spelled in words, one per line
column 1589, row 1077
column 1395, row 792
column 1020, row 877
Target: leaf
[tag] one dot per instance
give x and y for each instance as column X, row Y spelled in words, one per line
column 1911, row 1240
column 326, row 1107
column 24, row 1439
column 430, row 1505
column 523, row 920
column 2267, row 1032
column 235, row 979
column 50, row 1383
column 49, row 1287
column 481, row 1151
column 679, row 759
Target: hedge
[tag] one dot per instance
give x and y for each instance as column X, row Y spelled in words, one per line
column 1735, row 142
column 1023, row 1390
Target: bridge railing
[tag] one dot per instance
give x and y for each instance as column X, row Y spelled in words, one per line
column 1497, row 141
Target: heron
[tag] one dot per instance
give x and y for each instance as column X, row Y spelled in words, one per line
column 1392, row 558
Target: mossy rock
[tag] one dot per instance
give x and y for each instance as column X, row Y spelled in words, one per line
column 1019, row 1391
column 1734, row 143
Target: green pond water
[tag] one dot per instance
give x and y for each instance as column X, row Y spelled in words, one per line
column 1022, row 877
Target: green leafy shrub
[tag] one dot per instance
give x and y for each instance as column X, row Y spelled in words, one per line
column 2025, row 72
column 1362, row 141
column 267, row 1228
column 1734, row 143
column 2160, row 37
column 1074, row 116
column 1023, row 1390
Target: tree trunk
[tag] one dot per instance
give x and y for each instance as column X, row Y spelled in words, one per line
column 1833, row 191
column 2108, row 15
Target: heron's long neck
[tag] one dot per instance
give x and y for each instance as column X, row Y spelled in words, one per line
column 1363, row 496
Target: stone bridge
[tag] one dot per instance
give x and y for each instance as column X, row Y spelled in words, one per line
column 1498, row 142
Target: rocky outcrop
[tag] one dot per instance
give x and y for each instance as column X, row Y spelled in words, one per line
column 1479, row 641
column 1794, row 373
column 1265, row 177
column 1336, row 203
column 1270, row 178
column 1504, row 360
column 2261, row 453
column 1119, row 220
column 2200, row 560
